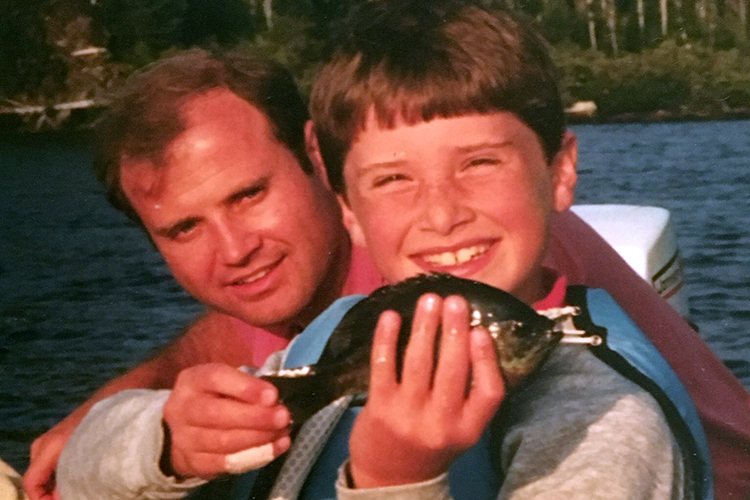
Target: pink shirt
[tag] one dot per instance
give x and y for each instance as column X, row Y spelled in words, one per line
column 556, row 295
column 363, row 278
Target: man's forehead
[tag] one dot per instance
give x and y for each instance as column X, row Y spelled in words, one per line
column 223, row 108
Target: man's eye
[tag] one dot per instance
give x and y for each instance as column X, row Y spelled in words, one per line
column 388, row 179
column 181, row 229
column 251, row 193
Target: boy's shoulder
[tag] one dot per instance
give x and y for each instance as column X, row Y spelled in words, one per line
column 577, row 417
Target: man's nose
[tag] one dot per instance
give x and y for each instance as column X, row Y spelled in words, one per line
column 236, row 242
column 445, row 208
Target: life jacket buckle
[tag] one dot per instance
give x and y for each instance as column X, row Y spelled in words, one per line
column 563, row 318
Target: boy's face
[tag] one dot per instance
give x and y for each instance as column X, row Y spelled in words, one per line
column 471, row 196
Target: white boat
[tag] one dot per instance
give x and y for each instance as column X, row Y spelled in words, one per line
column 644, row 238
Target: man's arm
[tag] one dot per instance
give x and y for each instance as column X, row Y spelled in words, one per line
column 155, row 444
column 213, row 338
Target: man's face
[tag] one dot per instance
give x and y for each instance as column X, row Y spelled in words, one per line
column 242, row 228
column 471, row 196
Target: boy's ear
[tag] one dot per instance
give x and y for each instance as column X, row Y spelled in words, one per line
column 351, row 223
column 312, row 147
column 564, row 174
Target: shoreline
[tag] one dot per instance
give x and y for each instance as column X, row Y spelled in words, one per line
column 659, row 117
column 80, row 122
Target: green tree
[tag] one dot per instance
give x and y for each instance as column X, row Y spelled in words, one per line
column 24, row 53
column 139, row 30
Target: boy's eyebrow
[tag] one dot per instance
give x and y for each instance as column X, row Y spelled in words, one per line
column 483, row 145
column 470, row 148
column 383, row 164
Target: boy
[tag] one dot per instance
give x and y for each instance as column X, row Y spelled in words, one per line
column 461, row 184
column 442, row 130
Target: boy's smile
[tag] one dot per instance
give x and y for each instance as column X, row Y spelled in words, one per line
column 470, row 195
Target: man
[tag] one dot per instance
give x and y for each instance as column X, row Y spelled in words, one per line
column 233, row 206
column 224, row 335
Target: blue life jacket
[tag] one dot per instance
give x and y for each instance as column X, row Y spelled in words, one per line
column 474, row 476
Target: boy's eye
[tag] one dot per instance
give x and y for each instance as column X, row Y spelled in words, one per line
column 388, row 179
column 478, row 162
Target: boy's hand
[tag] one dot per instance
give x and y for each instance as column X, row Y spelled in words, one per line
column 216, row 411
column 413, row 430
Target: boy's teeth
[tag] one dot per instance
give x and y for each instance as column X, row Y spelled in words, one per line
column 456, row 258
column 253, row 277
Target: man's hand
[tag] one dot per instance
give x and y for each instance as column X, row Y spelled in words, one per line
column 216, row 411
column 39, row 479
column 412, row 429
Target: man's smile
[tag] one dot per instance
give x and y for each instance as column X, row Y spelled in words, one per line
column 258, row 274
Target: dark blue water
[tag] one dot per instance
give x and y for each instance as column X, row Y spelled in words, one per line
column 83, row 295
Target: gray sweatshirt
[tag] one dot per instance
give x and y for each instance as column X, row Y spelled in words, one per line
column 578, row 430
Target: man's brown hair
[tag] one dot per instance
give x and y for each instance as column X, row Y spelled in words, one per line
column 420, row 59
column 145, row 116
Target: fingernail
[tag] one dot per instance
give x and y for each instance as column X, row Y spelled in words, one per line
column 455, row 302
column 282, row 418
column 268, row 397
column 430, row 302
column 281, row 445
column 480, row 336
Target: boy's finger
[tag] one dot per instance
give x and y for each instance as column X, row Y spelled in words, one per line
column 487, row 387
column 419, row 358
column 454, row 362
column 383, row 355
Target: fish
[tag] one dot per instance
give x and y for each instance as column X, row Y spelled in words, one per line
column 523, row 340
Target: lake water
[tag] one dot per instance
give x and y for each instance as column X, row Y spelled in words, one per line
column 83, row 295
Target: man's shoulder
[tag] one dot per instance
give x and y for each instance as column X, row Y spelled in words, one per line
column 213, row 321
column 217, row 337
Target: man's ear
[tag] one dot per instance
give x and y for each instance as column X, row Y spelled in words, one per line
column 313, row 152
column 564, row 174
column 351, row 223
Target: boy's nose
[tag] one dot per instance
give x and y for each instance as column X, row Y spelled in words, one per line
column 445, row 210
column 235, row 241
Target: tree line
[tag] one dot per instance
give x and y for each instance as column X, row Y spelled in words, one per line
column 57, row 56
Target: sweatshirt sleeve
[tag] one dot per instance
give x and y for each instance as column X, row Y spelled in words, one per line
column 114, row 453
column 433, row 489
column 580, row 430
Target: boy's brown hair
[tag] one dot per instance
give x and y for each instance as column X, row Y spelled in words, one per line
column 420, row 59
column 145, row 116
